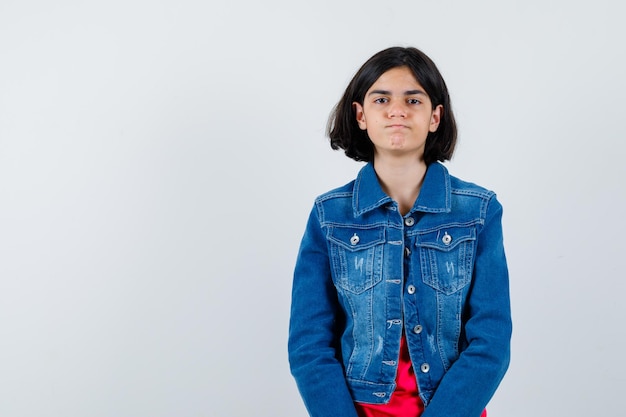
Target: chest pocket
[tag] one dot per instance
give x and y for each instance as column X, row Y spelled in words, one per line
column 356, row 257
column 447, row 258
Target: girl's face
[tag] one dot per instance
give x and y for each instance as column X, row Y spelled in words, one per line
column 397, row 114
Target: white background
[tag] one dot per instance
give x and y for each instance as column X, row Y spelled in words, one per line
column 158, row 160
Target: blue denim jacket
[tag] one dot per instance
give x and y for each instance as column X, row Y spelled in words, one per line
column 365, row 274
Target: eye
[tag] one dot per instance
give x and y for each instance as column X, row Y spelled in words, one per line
column 413, row 101
column 381, row 100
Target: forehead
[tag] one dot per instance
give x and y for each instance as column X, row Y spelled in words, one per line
column 398, row 77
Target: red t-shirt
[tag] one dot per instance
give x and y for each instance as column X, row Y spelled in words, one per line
column 405, row 400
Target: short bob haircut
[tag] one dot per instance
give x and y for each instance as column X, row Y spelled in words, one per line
column 343, row 129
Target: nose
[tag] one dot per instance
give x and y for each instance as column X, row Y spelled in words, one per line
column 397, row 110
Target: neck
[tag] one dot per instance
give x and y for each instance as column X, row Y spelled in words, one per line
column 401, row 180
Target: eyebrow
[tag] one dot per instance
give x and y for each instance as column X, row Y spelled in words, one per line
column 406, row 93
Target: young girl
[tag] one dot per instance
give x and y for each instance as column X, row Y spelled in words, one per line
column 400, row 303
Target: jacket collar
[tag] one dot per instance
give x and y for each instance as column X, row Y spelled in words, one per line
column 434, row 196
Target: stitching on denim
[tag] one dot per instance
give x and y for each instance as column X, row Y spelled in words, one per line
column 392, row 322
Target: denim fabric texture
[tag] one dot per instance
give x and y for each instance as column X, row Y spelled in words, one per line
column 364, row 274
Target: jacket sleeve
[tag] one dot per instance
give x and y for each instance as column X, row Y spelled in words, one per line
column 471, row 381
column 313, row 330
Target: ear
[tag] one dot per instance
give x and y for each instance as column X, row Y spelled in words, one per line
column 435, row 118
column 360, row 116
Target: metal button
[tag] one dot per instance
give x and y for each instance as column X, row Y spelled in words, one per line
column 411, row 289
column 425, row 368
column 409, row 221
column 417, row 329
column 407, row 251
column 354, row 239
column 446, row 239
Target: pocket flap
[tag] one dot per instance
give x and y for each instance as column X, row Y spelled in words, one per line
column 354, row 239
column 447, row 238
